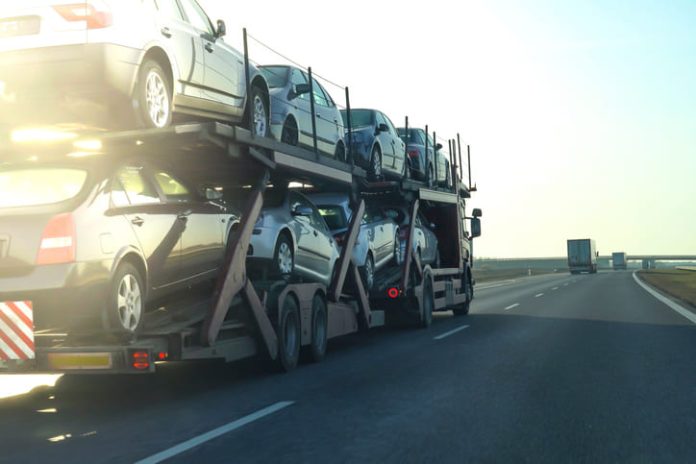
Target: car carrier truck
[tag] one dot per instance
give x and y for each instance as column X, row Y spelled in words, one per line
column 245, row 317
column 582, row 256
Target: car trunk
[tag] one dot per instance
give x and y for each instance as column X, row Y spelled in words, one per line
column 20, row 239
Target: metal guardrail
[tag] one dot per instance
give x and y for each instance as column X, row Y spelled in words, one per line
column 686, row 268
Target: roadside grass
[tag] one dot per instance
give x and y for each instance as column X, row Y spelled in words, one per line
column 676, row 283
column 488, row 275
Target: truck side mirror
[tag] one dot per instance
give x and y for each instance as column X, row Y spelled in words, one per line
column 477, row 212
column 475, row 227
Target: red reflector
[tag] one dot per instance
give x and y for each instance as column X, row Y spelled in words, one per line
column 141, row 360
column 161, row 356
column 393, row 292
column 58, row 241
column 95, row 18
column 141, row 366
column 413, row 154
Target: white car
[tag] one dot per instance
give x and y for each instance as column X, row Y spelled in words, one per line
column 109, row 63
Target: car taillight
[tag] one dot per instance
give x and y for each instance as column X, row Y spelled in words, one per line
column 340, row 239
column 58, row 241
column 96, row 16
column 413, row 154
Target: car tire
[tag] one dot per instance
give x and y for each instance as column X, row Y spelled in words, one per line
column 257, row 113
column 289, row 335
column 398, row 259
column 125, row 306
column 426, row 318
column 340, row 152
column 290, row 133
column 283, row 257
column 317, row 349
column 375, row 169
column 153, row 96
column 367, row 272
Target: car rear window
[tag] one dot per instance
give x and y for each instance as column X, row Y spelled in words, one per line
column 276, row 76
column 359, row 118
column 39, row 186
column 334, row 216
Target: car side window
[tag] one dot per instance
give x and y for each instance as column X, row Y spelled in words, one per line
column 196, row 16
column 172, row 189
column 316, row 220
column 119, row 198
column 319, row 96
column 294, row 200
column 391, row 126
column 169, row 9
column 419, row 137
column 297, row 77
column 137, row 188
column 379, row 118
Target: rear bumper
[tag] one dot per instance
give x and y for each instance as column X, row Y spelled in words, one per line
column 62, row 295
column 73, row 78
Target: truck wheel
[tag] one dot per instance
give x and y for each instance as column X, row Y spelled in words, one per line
column 289, row 335
column 463, row 308
column 153, row 94
column 428, row 304
column 317, row 350
column 125, row 307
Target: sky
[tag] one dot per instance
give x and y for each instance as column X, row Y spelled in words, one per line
column 581, row 116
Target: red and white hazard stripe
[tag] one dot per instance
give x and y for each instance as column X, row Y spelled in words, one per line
column 16, row 330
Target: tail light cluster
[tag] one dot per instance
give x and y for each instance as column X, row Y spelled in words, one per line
column 413, row 154
column 58, row 241
column 95, row 14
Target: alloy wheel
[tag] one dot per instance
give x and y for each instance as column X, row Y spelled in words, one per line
column 157, row 99
column 129, row 302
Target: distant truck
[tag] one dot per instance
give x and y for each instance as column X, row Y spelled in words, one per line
column 618, row 260
column 582, row 256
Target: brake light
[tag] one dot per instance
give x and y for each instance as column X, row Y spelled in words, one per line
column 413, row 154
column 96, row 17
column 141, row 360
column 58, row 241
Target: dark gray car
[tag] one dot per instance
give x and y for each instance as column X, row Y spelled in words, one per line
column 112, row 61
column 425, row 243
column 421, row 164
column 375, row 144
column 291, row 116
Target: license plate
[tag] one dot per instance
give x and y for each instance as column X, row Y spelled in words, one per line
column 79, row 361
column 22, row 25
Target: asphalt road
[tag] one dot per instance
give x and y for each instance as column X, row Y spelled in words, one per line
column 578, row 369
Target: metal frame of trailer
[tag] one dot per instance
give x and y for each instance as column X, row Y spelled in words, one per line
column 242, row 317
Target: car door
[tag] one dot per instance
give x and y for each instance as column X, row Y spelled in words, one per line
column 380, row 237
column 202, row 241
column 182, row 42
column 154, row 223
column 327, row 121
column 386, row 143
column 398, row 145
column 304, row 234
column 223, row 79
column 304, row 110
column 323, row 249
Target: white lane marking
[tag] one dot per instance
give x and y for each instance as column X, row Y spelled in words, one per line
column 565, row 284
column 512, row 306
column 554, row 288
column 451, row 332
column 538, row 295
column 498, row 284
column 196, row 441
column 675, row 306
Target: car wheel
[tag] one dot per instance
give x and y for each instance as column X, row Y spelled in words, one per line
column 368, row 272
column 289, row 134
column 283, row 256
column 340, row 153
column 258, row 122
column 289, row 335
column 153, row 96
column 126, row 302
column 428, row 304
column 397, row 250
column 437, row 262
column 375, row 163
column 317, row 349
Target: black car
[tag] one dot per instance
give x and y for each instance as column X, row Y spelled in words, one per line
column 375, row 144
column 90, row 243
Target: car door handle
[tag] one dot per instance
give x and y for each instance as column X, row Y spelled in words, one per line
column 166, row 32
column 138, row 221
column 209, row 47
column 316, row 234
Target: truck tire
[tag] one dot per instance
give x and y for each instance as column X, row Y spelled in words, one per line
column 463, row 308
column 317, row 349
column 289, row 335
column 426, row 318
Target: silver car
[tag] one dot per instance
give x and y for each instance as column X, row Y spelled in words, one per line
column 291, row 117
column 98, row 62
column 292, row 238
column 425, row 243
column 378, row 241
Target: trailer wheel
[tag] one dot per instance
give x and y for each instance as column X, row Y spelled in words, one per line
column 317, row 350
column 289, row 335
column 428, row 304
column 125, row 306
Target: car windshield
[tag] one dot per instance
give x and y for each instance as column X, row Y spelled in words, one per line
column 276, row 76
column 359, row 118
column 39, row 186
column 334, row 216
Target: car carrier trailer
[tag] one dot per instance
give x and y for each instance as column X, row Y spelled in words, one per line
column 246, row 317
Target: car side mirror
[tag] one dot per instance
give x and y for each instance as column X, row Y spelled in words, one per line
column 477, row 212
column 382, row 128
column 475, row 227
column 212, row 194
column 221, row 29
column 301, row 210
column 300, row 89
